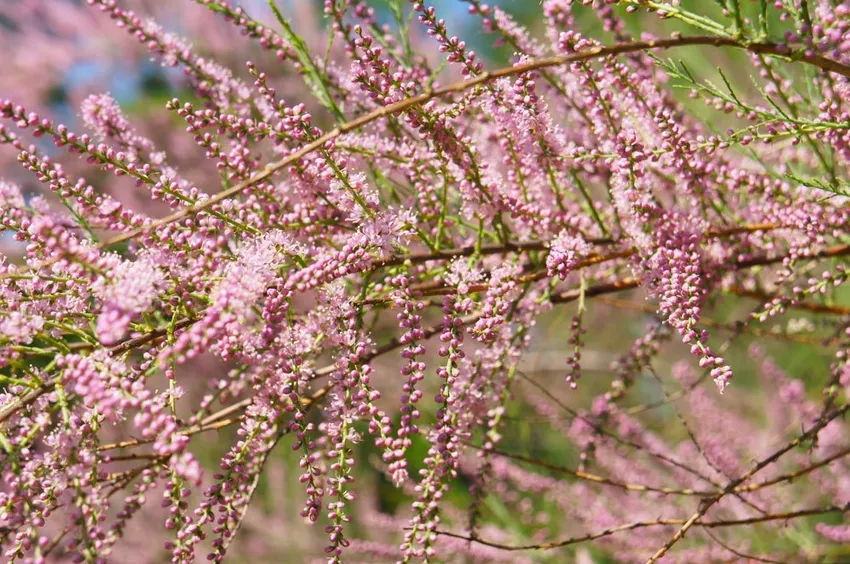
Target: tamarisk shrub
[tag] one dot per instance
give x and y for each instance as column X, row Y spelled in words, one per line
column 347, row 255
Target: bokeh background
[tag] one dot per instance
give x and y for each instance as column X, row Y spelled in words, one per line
column 57, row 52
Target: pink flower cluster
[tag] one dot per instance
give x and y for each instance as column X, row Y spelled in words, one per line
column 440, row 298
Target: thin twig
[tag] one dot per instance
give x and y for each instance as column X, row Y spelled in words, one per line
column 595, row 478
column 708, row 503
column 739, row 554
column 592, row 53
column 713, row 324
column 796, row 474
column 430, row 289
column 814, row 308
column 656, row 523
column 602, row 431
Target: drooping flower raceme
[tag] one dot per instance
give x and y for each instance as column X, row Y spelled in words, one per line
column 348, row 276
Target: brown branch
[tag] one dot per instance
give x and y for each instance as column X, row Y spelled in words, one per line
column 130, row 344
column 578, row 474
column 667, row 491
column 429, row 94
column 613, row 436
column 568, row 296
column 597, row 290
column 533, row 277
column 449, row 254
column 838, row 250
column 830, row 252
column 683, row 422
column 693, row 438
column 575, row 294
column 731, row 327
column 193, row 430
column 746, row 557
column 215, row 421
column 30, row 397
column 526, row 246
column 708, row 503
column 807, row 306
column 796, row 474
column 432, row 289
column 656, row 523
column 54, row 542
